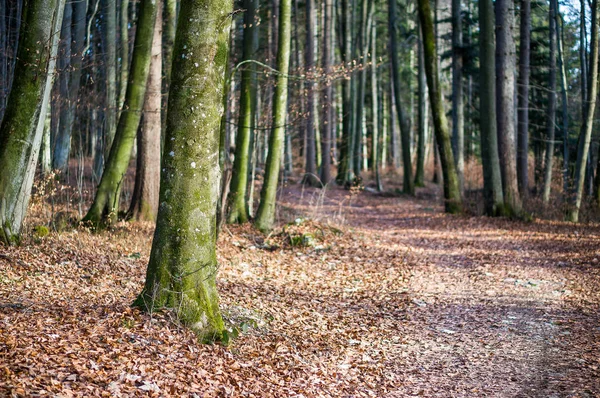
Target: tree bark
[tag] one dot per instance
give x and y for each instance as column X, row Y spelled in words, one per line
column 523, row 100
column 421, row 116
column 327, row 93
column 110, row 16
column 458, row 109
column 345, row 175
column 492, row 180
column 551, row 115
column 144, row 203
column 408, row 185
column 452, row 195
column 375, row 109
column 183, row 263
column 238, row 206
column 21, row 129
column 105, row 208
column 123, row 53
column 585, row 134
column 266, row 211
column 310, row 169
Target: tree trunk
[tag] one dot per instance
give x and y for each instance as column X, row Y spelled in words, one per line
column 183, row 263
column 110, row 16
column 238, row 206
column 266, row 211
column 123, row 53
column 106, row 203
column 422, row 116
column 458, row 109
column 408, row 185
column 586, row 127
column 564, row 106
column 345, row 174
column 492, row 180
column 310, row 170
column 22, row 128
column 551, row 115
column 523, row 96
column 375, row 109
column 452, row 195
column 144, row 203
column 505, row 103
column 327, row 93
column 168, row 40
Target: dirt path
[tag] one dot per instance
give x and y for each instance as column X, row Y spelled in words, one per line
column 403, row 301
column 497, row 308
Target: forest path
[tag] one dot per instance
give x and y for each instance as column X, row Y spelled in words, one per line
column 497, row 308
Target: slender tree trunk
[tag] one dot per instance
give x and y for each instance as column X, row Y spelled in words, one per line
column 110, row 16
column 144, row 203
column 408, row 185
column 266, row 211
column 106, row 203
column 523, row 97
column 3, row 57
column 375, row 108
column 183, row 263
column 492, row 181
column 327, row 93
column 21, row 129
column 505, row 103
column 583, row 62
column 345, row 174
column 123, row 52
column 422, row 116
column 586, row 127
column 310, row 171
column 168, row 40
column 458, row 109
column 564, row 106
column 452, row 195
column 238, row 206
column 551, row 103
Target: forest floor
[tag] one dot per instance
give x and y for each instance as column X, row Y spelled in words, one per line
column 361, row 295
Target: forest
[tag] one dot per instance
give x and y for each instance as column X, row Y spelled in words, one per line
column 299, row 198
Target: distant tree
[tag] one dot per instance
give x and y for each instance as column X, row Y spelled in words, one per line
column 327, row 93
column 452, row 195
column 458, row 108
column 183, row 264
column 20, row 131
column 551, row 115
column 266, row 211
column 523, row 99
column 310, row 175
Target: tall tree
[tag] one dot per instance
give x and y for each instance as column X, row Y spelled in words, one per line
column 421, row 115
column 124, row 52
column 20, row 132
column 523, row 99
column 585, row 134
column 310, row 175
column 492, row 180
column 238, row 206
column 266, row 211
column 408, row 185
column 505, row 103
column 551, row 114
column 110, row 43
column 458, row 109
column 452, row 195
column 375, row 109
column 183, row 263
column 144, row 202
column 327, row 93
column 106, row 202
column 169, row 25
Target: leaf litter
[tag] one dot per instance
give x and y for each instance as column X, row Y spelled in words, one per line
column 355, row 295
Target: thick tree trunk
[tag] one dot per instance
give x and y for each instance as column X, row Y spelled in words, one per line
column 452, row 195
column 106, row 203
column 327, row 93
column 183, row 263
column 144, row 203
column 586, row 127
column 266, row 211
column 458, row 109
column 551, row 115
column 492, row 180
column 505, row 103
column 523, row 100
column 421, row 116
column 408, row 185
column 310, row 169
column 238, row 206
column 22, row 128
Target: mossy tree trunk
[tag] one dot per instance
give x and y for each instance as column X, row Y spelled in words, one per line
column 492, row 180
column 144, row 203
column 106, row 203
column 505, row 103
column 238, row 206
column 585, row 135
column 408, row 185
column 452, row 194
column 266, row 210
column 183, row 265
column 523, row 99
column 21, row 129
